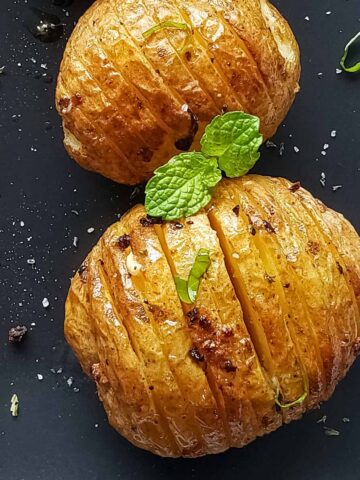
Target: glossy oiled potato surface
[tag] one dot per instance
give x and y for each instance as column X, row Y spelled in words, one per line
column 130, row 103
column 276, row 317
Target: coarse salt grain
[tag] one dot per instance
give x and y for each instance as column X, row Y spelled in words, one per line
column 45, row 302
column 91, row 230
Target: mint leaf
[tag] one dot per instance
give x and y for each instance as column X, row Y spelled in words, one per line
column 235, row 139
column 181, row 187
column 356, row 67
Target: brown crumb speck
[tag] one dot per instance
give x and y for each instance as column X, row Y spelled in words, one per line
column 124, row 241
column 16, row 334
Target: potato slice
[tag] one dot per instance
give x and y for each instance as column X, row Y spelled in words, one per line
column 339, row 233
column 265, row 313
column 115, row 39
column 316, row 272
column 234, row 60
column 121, row 368
column 219, row 333
column 194, row 52
column 88, row 330
column 103, row 99
column 78, row 328
column 164, row 309
column 166, row 60
column 289, row 291
column 266, row 35
column 127, row 281
column 344, row 303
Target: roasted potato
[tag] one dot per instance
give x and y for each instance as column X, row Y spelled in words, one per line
column 130, row 102
column 274, row 328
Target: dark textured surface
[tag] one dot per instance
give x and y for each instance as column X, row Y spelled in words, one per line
column 62, row 434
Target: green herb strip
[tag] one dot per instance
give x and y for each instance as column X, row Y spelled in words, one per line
column 187, row 290
column 353, row 68
column 166, row 24
column 299, row 401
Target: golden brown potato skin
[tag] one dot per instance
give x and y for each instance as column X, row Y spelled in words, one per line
column 276, row 315
column 130, row 103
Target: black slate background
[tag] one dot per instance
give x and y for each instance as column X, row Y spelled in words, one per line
column 62, row 434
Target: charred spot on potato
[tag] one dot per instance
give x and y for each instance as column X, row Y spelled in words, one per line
column 190, row 222
column 286, row 285
column 340, row 268
column 124, row 241
column 228, row 366
column 204, row 322
column 148, row 221
column 65, row 105
column 295, row 187
column 356, row 346
column 269, row 278
column 227, row 331
column 193, row 316
column 187, row 55
column 313, row 247
column 268, row 227
column 145, row 154
column 76, row 99
column 236, row 210
column 151, row 387
column 83, row 272
column 252, row 229
column 185, row 143
column 196, row 355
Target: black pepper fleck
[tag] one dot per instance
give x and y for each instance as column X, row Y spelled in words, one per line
column 229, row 366
column 340, row 268
column 196, row 355
column 268, row 227
column 236, row 210
column 148, row 221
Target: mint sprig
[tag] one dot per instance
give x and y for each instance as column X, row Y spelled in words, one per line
column 183, row 186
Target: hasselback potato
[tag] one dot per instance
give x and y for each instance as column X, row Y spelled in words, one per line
column 140, row 79
column 274, row 328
